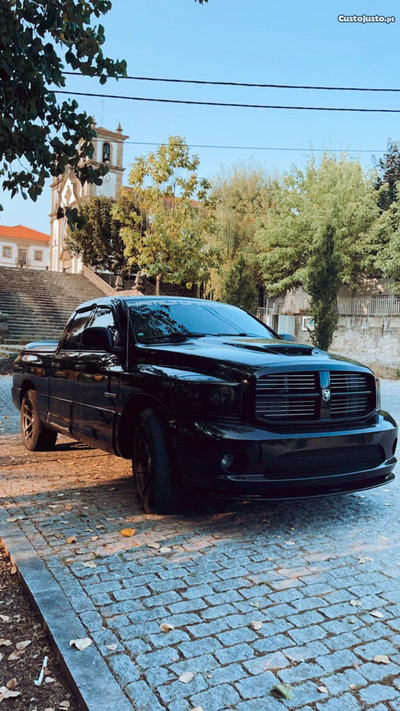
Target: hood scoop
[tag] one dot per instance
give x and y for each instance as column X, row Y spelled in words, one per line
column 286, row 350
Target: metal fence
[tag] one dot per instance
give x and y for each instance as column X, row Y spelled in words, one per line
column 357, row 306
column 369, row 306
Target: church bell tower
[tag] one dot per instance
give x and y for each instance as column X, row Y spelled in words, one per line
column 66, row 191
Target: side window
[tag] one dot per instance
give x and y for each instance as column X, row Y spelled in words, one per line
column 72, row 340
column 104, row 318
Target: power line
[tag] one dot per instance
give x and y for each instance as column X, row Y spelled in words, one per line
column 230, row 105
column 263, row 148
column 248, row 84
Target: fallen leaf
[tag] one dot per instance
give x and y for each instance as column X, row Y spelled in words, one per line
column 13, row 519
column 186, row 677
column 65, row 705
column 377, row 613
column 284, row 690
column 71, row 539
column 198, row 708
column 23, row 645
column 353, row 686
column 165, row 549
column 166, row 627
column 13, row 569
column 128, row 532
column 1, row 656
column 256, row 625
column 352, row 620
column 382, row 659
column 94, row 538
column 255, row 604
column 154, row 545
column 355, row 603
column 15, row 655
column 323, row 689
column 90, row 564
column 12, row 683
column 5, row 642
column 289, row 543
column 8, row 693
column 80, row 644
column 49, row 680
column 112, row 647
column 5, row 618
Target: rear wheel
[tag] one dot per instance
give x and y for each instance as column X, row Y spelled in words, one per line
column 157, row 487
column 35, row 435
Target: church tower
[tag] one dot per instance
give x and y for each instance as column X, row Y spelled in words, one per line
column 66, row 191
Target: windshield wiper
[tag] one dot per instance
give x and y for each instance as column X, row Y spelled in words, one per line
column 174, row 336
column 239, row 334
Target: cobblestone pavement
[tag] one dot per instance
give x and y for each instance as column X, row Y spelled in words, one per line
column 322, row 576
column 9, row 415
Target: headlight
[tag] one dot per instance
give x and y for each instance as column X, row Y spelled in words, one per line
column 222, row 395
column 216, row 399
column 378, row 393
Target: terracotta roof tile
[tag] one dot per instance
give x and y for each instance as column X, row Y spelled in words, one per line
column 21, row 232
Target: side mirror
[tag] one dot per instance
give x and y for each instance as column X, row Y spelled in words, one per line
column 287, row 337
column 97, row 338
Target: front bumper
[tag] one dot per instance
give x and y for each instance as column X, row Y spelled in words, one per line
column 284, row 465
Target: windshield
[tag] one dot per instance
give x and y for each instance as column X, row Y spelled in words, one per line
column 155, row 319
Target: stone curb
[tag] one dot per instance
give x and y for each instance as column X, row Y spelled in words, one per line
column 87, row 673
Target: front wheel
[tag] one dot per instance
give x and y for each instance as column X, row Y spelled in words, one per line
column 35, row 435
column 156, row 484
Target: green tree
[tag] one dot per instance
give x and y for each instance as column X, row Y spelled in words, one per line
column 37, row 39
column 97, row 239
column 388, row 175
column 334, row 192
column 244, row 195
column 382, row 247
column 322, row 284
column 171, row 236
column 239, row 287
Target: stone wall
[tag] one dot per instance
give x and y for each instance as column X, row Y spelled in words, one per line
column 369, row 339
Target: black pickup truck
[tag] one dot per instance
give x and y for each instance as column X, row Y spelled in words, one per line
column 204, row 397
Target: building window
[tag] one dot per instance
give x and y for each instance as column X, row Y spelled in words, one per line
column 7, row 252
column 106, row 153
column 38, row 255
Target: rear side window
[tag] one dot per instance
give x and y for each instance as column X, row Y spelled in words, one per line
column 72, row 340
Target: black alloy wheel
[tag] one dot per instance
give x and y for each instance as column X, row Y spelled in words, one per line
column 35, row 435
column 157, row 486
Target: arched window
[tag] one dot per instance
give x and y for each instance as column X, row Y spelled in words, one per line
column 106, row 153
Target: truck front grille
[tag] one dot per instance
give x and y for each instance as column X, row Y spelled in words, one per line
column 332, row 460
column 285, row 397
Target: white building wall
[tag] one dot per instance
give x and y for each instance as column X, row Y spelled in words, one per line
column 31, row 248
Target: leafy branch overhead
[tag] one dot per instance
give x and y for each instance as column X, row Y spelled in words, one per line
column 38, row 136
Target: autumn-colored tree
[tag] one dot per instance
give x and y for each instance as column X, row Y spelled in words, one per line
column 171, row 236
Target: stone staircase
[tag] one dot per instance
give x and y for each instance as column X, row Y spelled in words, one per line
column 39, row 303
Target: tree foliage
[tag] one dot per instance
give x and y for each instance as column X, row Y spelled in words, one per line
column 37, row 39
column 171, row 236
column 334, row 192
column 322, row 284
column 239, row 286
column 97, row 239
column 388, row 175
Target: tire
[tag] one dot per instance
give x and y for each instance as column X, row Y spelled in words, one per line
column 35, row 435
column 157, row 487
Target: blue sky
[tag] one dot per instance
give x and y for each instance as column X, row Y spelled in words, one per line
column 249, row 41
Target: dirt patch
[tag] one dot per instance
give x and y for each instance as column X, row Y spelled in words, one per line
column 19, row 624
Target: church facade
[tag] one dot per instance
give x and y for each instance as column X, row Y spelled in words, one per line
column 67, row 191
